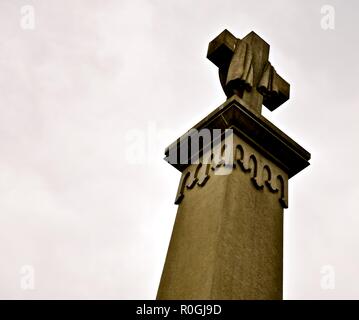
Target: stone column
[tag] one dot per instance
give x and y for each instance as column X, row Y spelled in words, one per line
column 227, row 240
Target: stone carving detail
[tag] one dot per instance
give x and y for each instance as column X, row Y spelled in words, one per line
column 240, row 70
column 244, row 70
column 181, row 187
column 261, row 174
column 203, row 174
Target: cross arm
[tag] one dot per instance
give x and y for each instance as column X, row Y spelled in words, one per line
column 273, row 87
column 221, row 49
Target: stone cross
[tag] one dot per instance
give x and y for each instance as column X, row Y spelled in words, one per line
column 227, row 240
column 244, row 70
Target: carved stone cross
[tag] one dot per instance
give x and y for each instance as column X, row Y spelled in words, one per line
column 244, row 70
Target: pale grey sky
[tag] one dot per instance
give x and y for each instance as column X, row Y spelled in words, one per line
column 95, row 76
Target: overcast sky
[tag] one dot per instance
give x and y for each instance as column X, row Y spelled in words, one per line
column 94, row 93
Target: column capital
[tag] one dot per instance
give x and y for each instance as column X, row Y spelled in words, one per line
column 255, row 129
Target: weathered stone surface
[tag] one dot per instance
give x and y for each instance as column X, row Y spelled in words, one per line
column 227, row 238
column 227, row 241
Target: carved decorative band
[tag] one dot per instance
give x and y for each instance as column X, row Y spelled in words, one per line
column 260, row 173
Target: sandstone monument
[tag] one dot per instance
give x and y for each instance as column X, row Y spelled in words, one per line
column 227, row 241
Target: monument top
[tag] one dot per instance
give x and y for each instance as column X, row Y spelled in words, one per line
column 249, row 80
column 244, row 70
